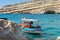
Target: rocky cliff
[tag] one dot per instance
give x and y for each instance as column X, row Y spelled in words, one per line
column 36, row 6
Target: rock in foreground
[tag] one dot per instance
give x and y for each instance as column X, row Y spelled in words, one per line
column 10, row 31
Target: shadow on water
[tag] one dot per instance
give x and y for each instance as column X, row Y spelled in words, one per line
column 34, row 36
column 4, row 18
column 31, row 36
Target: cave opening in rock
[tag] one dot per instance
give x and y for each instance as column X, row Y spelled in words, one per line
column 49, row 12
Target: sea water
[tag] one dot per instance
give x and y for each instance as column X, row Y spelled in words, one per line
column 50, row 24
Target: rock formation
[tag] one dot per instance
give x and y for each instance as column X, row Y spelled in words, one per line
column 58, row 38
column 10, row 31
column 35, row 6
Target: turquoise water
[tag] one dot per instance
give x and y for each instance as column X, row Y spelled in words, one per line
column 50, row 24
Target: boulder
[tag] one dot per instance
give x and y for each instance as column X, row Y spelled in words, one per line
column 10, row 31
column 58, row 38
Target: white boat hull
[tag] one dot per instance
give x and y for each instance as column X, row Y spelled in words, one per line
column 39, row 32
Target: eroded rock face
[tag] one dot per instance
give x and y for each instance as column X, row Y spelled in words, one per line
column 10, row 31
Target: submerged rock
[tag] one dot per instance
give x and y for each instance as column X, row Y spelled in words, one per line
column 10, row 31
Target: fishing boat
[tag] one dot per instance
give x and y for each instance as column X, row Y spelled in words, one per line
column 30, row 26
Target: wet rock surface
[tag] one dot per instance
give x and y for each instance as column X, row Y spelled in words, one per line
column 10, row 31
